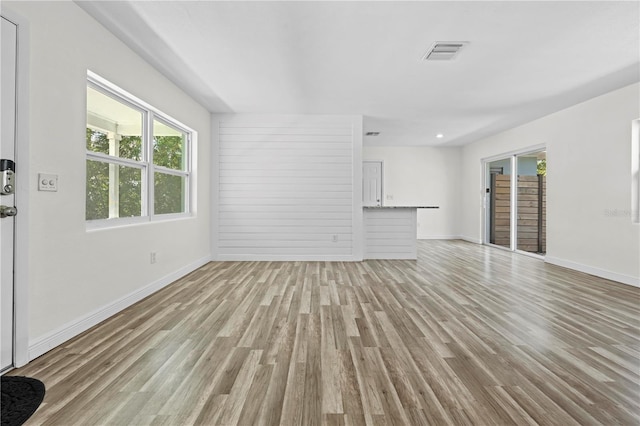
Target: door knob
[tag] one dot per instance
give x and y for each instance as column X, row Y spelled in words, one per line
column 6, row 211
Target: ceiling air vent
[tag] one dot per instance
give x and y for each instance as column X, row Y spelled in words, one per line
column 444, row 50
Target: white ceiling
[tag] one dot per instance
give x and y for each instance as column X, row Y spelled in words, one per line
column 524, row 59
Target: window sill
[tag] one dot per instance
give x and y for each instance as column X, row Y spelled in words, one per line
column 126, row 222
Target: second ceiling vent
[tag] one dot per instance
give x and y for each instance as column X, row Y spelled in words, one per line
column 444, row 50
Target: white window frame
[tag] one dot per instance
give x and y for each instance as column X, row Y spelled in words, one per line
column 635, row 171
column 149, row 114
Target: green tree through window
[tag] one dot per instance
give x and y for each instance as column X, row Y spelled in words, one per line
column 129, row 181
column 168, row 151
column 97, row 197
column 542, row 167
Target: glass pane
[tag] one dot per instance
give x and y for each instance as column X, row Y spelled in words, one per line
column 113, row 191
column 531, row 225
column 169, row 146
column 499, row 211
column 97, row 141
column 129, row 195
column 169, row 193
column 113, row 128
column 97, row 190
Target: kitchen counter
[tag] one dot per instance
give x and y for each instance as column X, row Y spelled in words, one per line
column 390, row 232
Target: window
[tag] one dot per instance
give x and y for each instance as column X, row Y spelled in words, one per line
column 138, row 160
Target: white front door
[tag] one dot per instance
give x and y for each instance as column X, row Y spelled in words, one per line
column 372, row 183
column 7, row 221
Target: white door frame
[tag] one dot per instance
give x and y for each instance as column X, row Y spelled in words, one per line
column 7, row 151
column 23, row 183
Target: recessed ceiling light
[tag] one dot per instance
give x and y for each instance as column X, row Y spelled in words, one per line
column 372, row 133
column 439, row 136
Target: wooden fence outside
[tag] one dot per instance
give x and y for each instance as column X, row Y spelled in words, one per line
column 531, row 214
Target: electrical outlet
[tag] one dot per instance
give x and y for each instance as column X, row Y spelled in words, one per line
column 47, row 182
column 152, row 257
column 389, row 197
column 335, row 238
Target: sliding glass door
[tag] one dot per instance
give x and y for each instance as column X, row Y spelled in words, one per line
column 531, row 203
column 499, row 181
column 515, row 202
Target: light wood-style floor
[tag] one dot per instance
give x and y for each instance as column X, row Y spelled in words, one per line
column 465, row 335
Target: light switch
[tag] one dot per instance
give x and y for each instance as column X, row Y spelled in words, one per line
column 47, row 182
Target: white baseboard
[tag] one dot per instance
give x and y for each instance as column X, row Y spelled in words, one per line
column 471, row 240
column 392, row 256
column 43, row 344
column 602, row 273
column 283, row 258
column 440, row 237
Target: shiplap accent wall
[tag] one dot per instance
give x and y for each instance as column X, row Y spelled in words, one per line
column 287, row 187
column 390, row 233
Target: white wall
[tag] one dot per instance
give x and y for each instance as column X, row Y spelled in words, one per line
column 287, row 187
column 422, row 176
column 589, row 223
column 77, row 277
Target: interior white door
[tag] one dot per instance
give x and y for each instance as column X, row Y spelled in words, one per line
column 7, row 224
column 372, row 183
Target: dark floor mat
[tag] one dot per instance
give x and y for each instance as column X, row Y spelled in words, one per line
column 21, row 397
